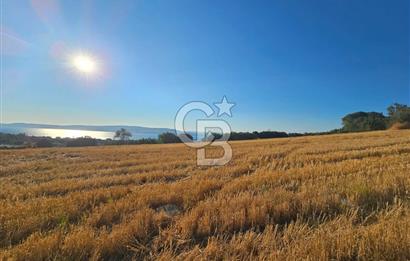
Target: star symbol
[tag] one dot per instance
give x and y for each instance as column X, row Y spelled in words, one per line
column 224, row 107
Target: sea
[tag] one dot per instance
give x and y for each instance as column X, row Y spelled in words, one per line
column 62, row 133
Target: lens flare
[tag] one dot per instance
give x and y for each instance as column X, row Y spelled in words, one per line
column 85, row 64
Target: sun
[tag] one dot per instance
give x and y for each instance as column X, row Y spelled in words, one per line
column 85, row 64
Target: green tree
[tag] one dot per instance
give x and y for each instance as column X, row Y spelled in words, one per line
column 364, row 121
column 82, row 141
column 122, row 134
column 44, row 143
column 399, row 113
column 168, row 137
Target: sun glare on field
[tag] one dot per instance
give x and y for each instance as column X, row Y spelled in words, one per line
column 85, row 64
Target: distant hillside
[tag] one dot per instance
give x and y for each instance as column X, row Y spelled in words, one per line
column 110, row 128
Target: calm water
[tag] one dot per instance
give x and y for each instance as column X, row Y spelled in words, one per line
column 63, row 133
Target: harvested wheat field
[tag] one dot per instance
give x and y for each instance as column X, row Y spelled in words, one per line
column 339, row 197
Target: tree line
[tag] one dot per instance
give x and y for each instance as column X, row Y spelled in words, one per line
column 398, row 117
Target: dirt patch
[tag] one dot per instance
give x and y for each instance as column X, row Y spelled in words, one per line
column 400, row 126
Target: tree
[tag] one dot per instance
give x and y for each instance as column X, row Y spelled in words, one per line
column 243, row 136
column 168, row 137
column 82, row 141
column 399, row 113
column 186, row 137
column 44, row 143
column 271, row 134
column 364, row 121
column 122, row 134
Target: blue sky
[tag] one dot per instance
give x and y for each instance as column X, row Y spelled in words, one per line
column 288, row 65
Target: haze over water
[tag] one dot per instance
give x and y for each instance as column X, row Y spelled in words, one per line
column 62, row 133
